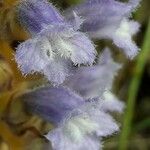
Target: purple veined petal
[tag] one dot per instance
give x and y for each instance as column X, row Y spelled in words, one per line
column 54, row 104
column 92, row 81
column 35, row 14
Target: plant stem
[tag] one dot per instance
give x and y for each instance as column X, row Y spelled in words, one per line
column 133, row 90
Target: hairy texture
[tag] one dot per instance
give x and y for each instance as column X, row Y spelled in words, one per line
column 108, row 19
column 93, row 125
column 31, row 59
column 55, row 43
column 75, row 120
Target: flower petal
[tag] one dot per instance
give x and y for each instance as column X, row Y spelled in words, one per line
column 61, row 142
column 35, row 14
column 111, row 103
column 91, row 82
column 54, row 104
column 122, row 37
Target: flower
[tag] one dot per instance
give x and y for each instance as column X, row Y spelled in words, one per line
column 61, row 142
column 91, row 82
column 55, row 43
column 75, row 120
column 109, row 19
column 82, row 133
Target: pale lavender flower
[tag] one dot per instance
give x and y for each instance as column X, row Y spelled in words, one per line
column 109, row 19
column 55, row 43
column 80, row 131
column 80, row 134
column 92, row 81
column 75, row 119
